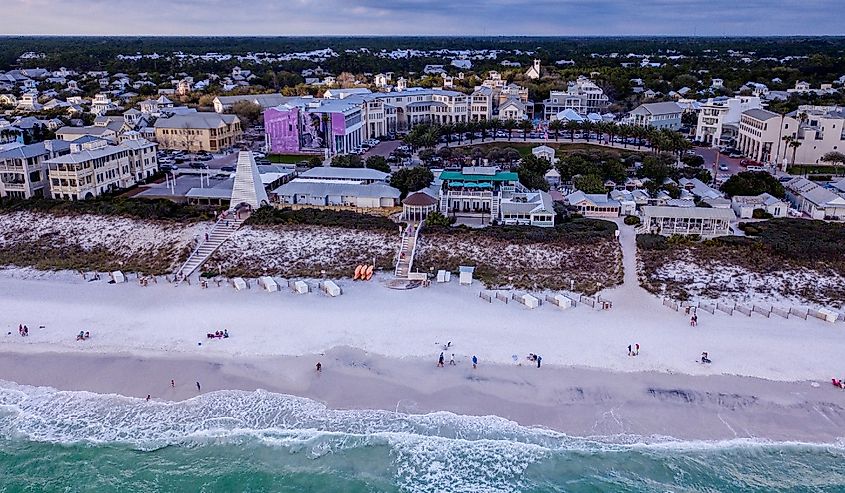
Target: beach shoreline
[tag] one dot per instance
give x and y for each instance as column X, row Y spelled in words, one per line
column 579, row 402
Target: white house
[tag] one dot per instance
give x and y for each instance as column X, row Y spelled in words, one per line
column 594, row 204
column 704, row 221
column 658, row 115
column 814, row 200
column 745, row 205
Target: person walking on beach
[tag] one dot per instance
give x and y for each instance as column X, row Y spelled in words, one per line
column 148, row 397
column 630, row 353
column 440, row 361
column 172, row 384
column 319, row 367
column 199, row 389
column 452, row 360
column 539, row 359
column 637, row 349
column 474, row 362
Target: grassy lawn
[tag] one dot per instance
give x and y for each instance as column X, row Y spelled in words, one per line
column 811, row 169
column 287, row 158
column 562, row 147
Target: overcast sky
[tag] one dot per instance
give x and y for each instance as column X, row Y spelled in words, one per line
column 435, row 17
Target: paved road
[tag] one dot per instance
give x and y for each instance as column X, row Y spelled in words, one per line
column 711, row 156
column 383, row 148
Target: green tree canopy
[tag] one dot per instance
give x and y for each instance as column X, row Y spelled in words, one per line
column 378, row 163
column 753, row 183
column 591, row 183
column 347, row 161
column 248, row 112
column 532, row 173
column 411, row 179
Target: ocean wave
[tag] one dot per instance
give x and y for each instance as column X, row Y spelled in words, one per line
column 466, row 452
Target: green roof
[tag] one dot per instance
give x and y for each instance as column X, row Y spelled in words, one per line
column 458, row 176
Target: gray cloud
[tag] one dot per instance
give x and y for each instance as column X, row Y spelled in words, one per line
column 462, row 17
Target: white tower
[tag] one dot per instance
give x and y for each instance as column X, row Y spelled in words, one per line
column 248, row 188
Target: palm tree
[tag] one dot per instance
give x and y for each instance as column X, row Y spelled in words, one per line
column 526, row 126
column 446, row 130
column 510, row 125
column 471, row 128
column 795, row 144
column 571, row 126
column 556, row 126
column 587, row 127
column 483, row 125
column 623, row 131
column 495, row 125
column 460, row 129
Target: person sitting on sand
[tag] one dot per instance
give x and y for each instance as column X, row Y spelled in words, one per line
column 837, row 383
column 81, row 336
column 87, row 335
column 225, row 334
column 704, row 358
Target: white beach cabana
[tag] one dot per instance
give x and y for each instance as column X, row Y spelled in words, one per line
column 331, row 288
column 444, row 276
column 300, row 287
column 529, row 301
column 466, row 274
column 239, row 283
column 118, row 276
column 562, row 301
column 268, row 284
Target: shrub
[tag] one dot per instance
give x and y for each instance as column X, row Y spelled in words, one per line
column 154, row 209
column 632, row 220
column 652, row 242
column 320, row 217
column 761, row 214
column 434, row 219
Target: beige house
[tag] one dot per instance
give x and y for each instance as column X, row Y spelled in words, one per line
column 198, row 131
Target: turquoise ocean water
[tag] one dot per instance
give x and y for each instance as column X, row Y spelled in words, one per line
column 235, row 441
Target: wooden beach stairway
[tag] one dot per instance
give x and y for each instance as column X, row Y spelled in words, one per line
column 222, row 230
column 407, row 250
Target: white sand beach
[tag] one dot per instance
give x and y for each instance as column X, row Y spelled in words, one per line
column 382, row 347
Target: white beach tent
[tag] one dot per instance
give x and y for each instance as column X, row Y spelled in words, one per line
column 239, row 283
column 118, row 276
column 300, row 287
column 828, row 315
column 530, row 301
column 331, row 288
column 444, row 276
column 562, row 301
column 466, row 274
column 268, row 283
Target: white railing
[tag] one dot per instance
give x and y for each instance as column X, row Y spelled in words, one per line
column 414, row 249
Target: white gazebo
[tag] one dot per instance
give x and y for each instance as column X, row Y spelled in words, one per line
column 417, row 206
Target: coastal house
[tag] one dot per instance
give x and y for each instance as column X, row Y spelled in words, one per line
column 594, row 204
column 23, row 172
column 658, row 115
column 703, row 221
column 337, row 193
column 813, row 200
column 745, row 205
column 480, row 195
column 94, row 167
column 198, row 131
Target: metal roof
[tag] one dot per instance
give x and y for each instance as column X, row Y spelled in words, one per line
column 688, row 212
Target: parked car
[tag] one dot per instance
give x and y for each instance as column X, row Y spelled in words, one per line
column 723, row 167
column 735, row 154
column 199, row 166
column 168, row 167
column 228, row 169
